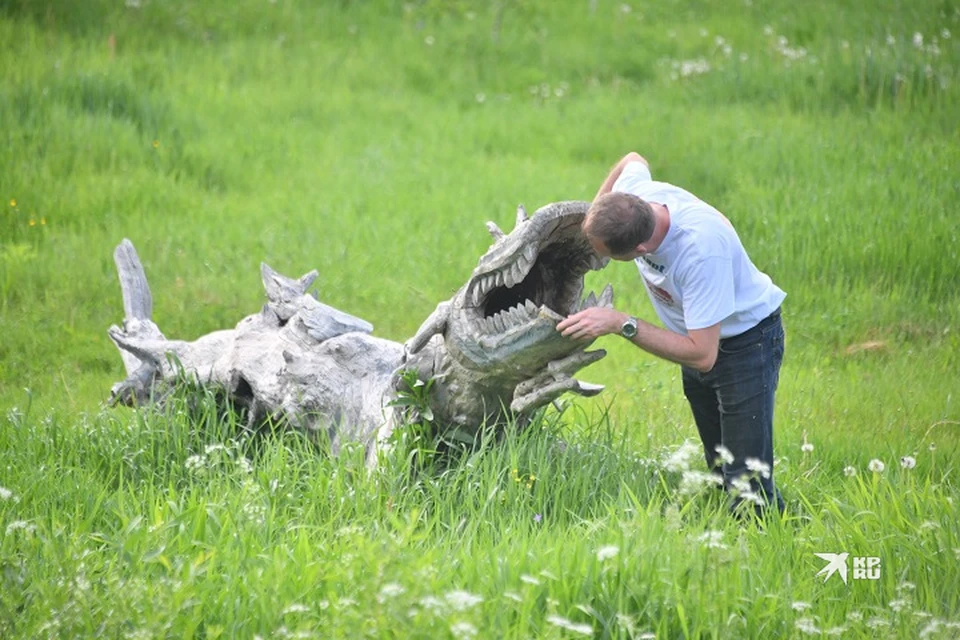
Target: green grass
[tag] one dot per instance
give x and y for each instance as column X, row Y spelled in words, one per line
column 371, row 140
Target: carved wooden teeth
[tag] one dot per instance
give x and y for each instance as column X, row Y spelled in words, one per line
column 517, row 315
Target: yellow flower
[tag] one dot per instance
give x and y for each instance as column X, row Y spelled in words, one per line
column 156, row 144
column 33, row 222
column 13, row 202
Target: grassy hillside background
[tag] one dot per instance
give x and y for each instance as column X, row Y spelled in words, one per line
column 371, row 140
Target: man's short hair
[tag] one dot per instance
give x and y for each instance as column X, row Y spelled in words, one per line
column 620, row 221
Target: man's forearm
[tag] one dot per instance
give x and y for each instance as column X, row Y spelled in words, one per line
column 672, row 346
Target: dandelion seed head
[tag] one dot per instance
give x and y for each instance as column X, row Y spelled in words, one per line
column 806, row 447
column 607, row 552
column 849, row 471
column 5, row 494
column 908, row 462
column 876, row 466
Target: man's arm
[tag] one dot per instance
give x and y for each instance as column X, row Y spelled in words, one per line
column 617, row 169
column 697, row 349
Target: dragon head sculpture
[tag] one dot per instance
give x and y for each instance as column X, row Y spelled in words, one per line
column 494, row 345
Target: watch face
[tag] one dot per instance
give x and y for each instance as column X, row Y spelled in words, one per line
column 629, row 328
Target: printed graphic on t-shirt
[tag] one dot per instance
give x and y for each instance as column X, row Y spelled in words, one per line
column 662, row 295
column 659, row 268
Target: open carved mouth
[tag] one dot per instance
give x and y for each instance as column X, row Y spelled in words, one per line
column 543, row 280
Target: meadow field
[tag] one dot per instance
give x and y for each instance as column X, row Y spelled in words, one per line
column 371, row 140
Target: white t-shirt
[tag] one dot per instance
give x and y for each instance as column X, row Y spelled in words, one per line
column 700, row 274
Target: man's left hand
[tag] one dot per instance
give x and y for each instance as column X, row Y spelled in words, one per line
column 592, row 323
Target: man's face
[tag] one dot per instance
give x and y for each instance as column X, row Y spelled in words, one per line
column 605, row 252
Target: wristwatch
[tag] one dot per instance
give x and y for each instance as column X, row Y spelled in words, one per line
column 629, row 328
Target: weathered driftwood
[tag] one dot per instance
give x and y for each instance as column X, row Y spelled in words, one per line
column 491, row 350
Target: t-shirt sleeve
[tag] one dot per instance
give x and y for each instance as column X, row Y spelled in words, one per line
column 632, row 176
column 708, row 292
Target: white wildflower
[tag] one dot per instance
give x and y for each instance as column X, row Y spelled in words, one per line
column 755, row 498
column 481, row 97
column 693, row 481
column 429, row 40
column 195, row 463
column 682, row 458
column 906, row 586
column 712, row 540
column 607, row 552
column 433, row 604
column 945, row 34
column 891, row 40
column 741, row 485
column 21, row 525
column 463, row 630
column 694, row 67
column 758, row 466
column 725, row 454
column 876, row 466
column 513, row 595
column 5, row 494
column 876, row 622
column 767, row 30
column 930, row 629
column 849, row 471
column 806, row 447
column 807, row 625
column 296, row 608
column 835, row 631
column 918, row 40
column 908, row 462
column 462, row 600
column 649, row 635
column 800, row 606
column 569, row 625
column 899, row 605
column 855, row 616
column 210, row 449
column 390, row 590
column 529, row 579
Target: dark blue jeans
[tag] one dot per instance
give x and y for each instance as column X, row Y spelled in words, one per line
column 733, row 405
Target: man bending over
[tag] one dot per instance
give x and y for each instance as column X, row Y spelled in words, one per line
column 722, row 316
